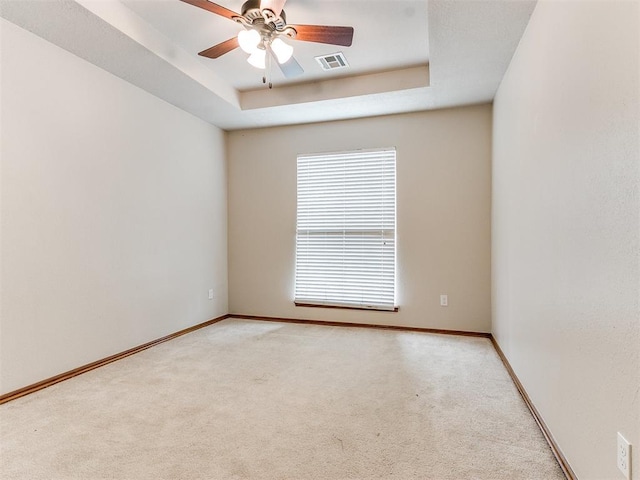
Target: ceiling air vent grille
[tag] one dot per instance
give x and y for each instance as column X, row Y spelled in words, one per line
column 332, row 61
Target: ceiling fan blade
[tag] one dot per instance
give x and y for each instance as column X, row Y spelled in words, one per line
column 291, row 68
column 275, row 6
column 213, row 8
column 220, row 49
column 324, row 34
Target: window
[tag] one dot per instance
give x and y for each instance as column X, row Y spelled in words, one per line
column 346, row 229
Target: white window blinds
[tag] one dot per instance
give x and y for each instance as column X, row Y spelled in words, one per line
column 345, row 238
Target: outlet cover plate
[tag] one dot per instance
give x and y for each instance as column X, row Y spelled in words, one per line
column 444, row 300
column 624, row 456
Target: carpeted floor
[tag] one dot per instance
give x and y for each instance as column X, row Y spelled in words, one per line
column 244, row 399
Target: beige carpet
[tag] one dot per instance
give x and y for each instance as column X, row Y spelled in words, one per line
column 257, row 400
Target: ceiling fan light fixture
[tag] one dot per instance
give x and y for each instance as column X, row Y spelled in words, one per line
column 282, row 50
column 249, row 40
column 257, row 58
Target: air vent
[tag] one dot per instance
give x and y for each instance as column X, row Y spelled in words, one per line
column 332, row 61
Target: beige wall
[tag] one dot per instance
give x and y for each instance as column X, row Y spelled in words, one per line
column 443, row 203
column 566, row 232
column 113, row 214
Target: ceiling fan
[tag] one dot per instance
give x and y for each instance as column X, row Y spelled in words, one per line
column 265, row 24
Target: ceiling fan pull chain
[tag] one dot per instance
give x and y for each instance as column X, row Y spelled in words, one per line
column 269, row 61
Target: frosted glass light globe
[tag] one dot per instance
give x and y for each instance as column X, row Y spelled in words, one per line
column 257, row 58
column 282, row 50
column 249, row 40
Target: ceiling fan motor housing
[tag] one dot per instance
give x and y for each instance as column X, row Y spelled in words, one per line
column 255, row 16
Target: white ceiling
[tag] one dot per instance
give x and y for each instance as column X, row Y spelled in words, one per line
column 375, row 24
column 406, row 55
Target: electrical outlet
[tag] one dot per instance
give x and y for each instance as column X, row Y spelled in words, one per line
column 624, row 456
column 211, row 294
column 444, row 300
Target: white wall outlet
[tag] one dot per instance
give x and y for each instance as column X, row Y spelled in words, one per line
column 211, row 294
column 444, row 300
column 624, row 456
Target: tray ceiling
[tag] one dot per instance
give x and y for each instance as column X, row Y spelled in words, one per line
column 406, row 55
